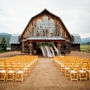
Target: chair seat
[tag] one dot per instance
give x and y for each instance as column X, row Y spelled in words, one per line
column 59, row 63
column 20, row 72
column 3, row 71
column 83, row 68
column 31, row 63
column 67, row 68
column 62, row 65
column 25, row 68
column 73, row 71
column 34, row 61
column 11, row 71
column 28, row 65
column 82, row 71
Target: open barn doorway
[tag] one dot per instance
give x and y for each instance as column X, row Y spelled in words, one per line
column 37, row 50
column 47, row 49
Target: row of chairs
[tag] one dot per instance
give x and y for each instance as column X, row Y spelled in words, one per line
column 17, row 68
column 76, row 68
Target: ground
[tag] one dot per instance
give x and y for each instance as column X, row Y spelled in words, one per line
column 45, row 76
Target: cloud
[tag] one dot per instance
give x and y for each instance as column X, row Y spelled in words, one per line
column 15, row 14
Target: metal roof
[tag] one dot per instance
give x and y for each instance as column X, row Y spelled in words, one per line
column 77, row 38
column 45, row 38
column 14, row 39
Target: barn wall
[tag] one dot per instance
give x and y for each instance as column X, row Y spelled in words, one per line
column 26, row 48
column 65, row 47
column 59, row 30
column 15, row 47
column 75, row 47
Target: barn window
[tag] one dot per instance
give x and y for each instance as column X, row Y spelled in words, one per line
column 51, row 25
column 63, row 47
column 39, row 25
column 45, row 22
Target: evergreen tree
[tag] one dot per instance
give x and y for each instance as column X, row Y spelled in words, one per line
column 3, row 44
column 88, row 45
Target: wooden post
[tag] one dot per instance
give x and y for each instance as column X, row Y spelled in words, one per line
column 58, row 47
column 22, row 47
column 30, row 48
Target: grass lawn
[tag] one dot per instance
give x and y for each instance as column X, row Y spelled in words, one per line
column 85, row 48
column 2, row 52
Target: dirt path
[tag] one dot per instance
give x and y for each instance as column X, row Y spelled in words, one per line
column 45, row 76
column 80, row 54
column 9, row 54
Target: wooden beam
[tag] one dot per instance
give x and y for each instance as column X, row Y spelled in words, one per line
column 45, row 40
column 30, row 48
column 22, row 47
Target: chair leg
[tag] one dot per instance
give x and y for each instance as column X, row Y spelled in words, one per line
column 74, row 75
column 3, row 76
column 83, row 76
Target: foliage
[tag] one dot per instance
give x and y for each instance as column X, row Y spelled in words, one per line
column 88, row 43
column 44, row 44
column 37, row 46
column 3, row 45
column 7, row 38
column 2, row 51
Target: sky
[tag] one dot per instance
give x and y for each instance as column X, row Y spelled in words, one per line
column 75, row 14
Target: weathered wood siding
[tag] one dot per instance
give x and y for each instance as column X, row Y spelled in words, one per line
column 26, row 48
column 65, row 47
column 15, row 47
column 75, row 47
column 44, row 25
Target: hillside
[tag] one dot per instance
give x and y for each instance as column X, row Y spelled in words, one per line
column 7, row 38
column 85, row 40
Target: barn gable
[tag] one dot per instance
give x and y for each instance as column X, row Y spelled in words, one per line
column 45, row 24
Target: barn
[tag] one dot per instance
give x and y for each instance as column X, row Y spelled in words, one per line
column 45, row 29
column 75, row 45
column 14, row 42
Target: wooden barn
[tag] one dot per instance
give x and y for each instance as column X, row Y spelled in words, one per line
column 45, row 27
column 15, row 44
column 75, row 45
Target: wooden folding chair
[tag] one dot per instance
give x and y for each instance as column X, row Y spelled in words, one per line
column 10, row 73
column 2, row 73
column 20, row 74
column 83, row 71
column 74, row 72
column 67, row 68
column 88, row 72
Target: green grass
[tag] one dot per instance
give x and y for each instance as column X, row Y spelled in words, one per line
column 2, row 52
column 85, row 48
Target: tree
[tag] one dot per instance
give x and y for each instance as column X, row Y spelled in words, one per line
column 3, row 44
column 88, row 45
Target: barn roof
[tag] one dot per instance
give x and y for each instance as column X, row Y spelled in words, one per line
column 14, row 39
column 45, row 38
column 77, row 39
column 45, row 11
